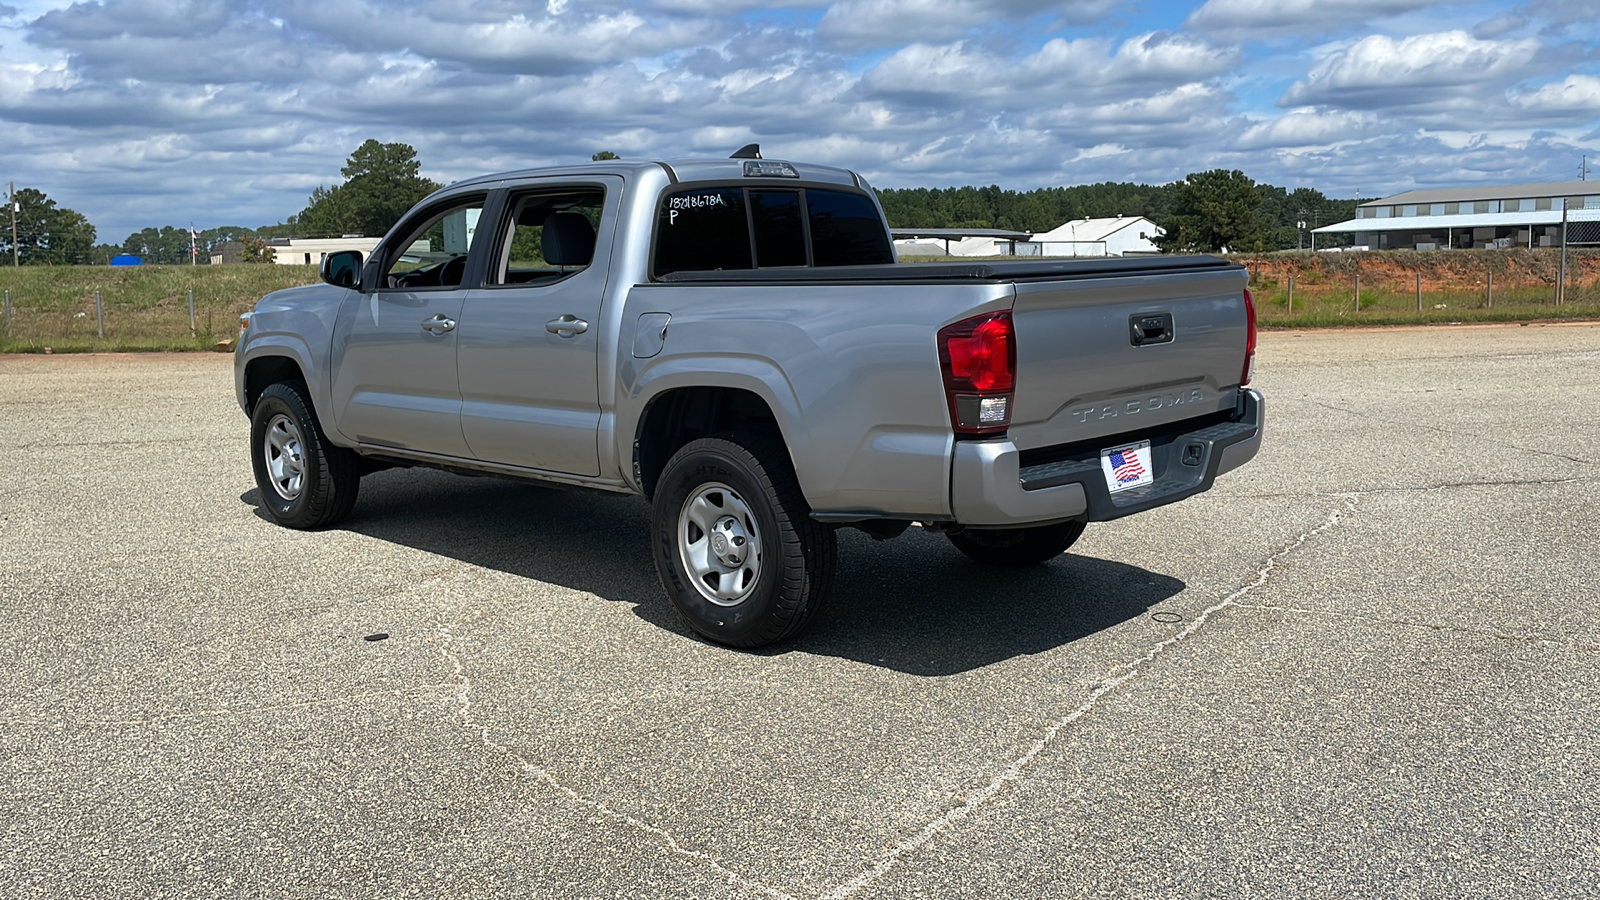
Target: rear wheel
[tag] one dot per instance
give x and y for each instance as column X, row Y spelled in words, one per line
column 1018, row 546
column 305, row 481
column 734, row 542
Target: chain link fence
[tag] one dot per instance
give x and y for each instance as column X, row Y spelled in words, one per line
column 135, row 308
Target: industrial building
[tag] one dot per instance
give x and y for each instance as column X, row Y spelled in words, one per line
column 1111, row 236
column 311, row 251
column 1517, row 215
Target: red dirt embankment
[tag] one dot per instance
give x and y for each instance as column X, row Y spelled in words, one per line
column 1440, row 270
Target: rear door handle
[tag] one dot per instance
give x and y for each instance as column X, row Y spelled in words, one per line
column 566, row 326
column 439, row 324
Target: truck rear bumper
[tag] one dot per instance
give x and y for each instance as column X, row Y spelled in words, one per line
column 990, row 486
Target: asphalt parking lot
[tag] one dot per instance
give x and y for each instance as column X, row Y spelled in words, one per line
column 1365, row 665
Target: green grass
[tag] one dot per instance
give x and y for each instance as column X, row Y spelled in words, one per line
column 147, row 308
column 143, row 307
column 1326, row 305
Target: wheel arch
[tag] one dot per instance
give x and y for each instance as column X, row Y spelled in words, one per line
column 677, row 415
column 266, row 370
column 275, row 357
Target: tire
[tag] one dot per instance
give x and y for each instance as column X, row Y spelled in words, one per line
column 305, row 481
column 1016, row 547
column 735, row 545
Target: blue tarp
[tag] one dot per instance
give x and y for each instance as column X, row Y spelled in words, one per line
column 126, row 260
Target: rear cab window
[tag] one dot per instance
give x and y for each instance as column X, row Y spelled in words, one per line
column 731, row 228
column 548, row 235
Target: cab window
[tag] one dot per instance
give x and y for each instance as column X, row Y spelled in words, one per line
column 846, row 230
column 734, row 228
column 433, row 253
column 701, row 231
column 548, row 236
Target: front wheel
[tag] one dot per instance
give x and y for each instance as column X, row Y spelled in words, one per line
column 734, row 542
column 1018, row 546
column 305, row 481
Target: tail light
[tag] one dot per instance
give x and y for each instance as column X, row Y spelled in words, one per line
column 978, row 357
column 1250, row 340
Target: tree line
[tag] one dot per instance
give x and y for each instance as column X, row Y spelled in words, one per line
column 1205, row 212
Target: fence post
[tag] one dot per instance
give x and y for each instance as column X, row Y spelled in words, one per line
column 191, row 311
column 1358, row 292
column 1491, row 290
column 8, row 312
column 1419, row 292
column 99, row 316
column 1561, row 276
column 1291, row 293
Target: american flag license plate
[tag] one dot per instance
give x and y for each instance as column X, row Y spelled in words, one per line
column 1127, row 467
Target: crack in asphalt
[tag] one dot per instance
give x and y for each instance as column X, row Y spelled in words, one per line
column 164, row 445
column 1122, row 675
column 1437, row 429
column 1432, row 626
column 544, row 777
column 396, row 693
column 1412, row 489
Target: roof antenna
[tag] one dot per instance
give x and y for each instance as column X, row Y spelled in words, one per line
column 748, row 151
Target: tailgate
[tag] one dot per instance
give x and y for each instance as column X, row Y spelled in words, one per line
column 1082, row 376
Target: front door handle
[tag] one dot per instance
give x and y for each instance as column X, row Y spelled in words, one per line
column 566, row 326
column 439, row 324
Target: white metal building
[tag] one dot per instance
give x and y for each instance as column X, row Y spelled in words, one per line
column 911, row 242
column 1116, row 236
column 1518, row 215
column 310, row 251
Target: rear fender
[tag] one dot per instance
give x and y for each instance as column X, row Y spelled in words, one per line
column 757, row 375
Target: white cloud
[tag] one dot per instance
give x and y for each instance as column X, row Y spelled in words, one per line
column 1499, row 26
column 1243, row 20
column 150, row 112
column 1083, row 70
column 1425, row 69
column 1309, row 128
column 1576, row 94
column 865, row 24
column 1181, row 105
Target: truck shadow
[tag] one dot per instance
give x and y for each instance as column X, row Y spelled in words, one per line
column 913, row 604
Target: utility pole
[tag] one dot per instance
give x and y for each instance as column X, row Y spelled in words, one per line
column 1583, row 168
column 13, row 204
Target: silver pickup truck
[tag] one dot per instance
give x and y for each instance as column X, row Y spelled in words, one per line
column 734, row 340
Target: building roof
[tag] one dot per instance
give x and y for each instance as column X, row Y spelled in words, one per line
column 1490, row 192
column 1081, row 230
column 956, row 234
column 1476, row 220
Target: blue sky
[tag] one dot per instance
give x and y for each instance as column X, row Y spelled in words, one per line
column 153, row 112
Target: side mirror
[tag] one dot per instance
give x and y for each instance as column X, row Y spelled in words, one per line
column 342, row 268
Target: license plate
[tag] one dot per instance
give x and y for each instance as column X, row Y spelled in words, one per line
column 1127, row 467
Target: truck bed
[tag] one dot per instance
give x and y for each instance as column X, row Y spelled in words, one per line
column 1001, row 271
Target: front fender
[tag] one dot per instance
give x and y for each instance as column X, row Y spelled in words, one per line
column 295, row 325
column 295, row 349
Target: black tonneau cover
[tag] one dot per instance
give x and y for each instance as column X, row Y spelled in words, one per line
column 1008, row 270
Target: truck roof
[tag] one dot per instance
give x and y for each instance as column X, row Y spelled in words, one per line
column 688, row 169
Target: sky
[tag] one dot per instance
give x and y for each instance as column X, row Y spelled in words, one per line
column 142, row 113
